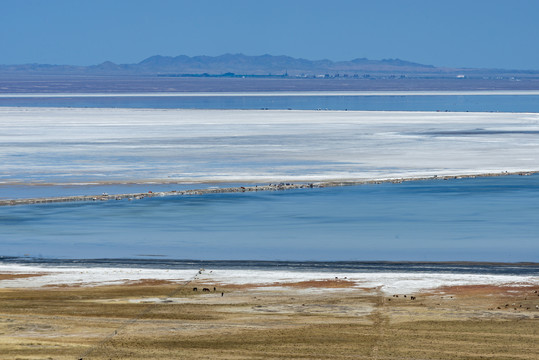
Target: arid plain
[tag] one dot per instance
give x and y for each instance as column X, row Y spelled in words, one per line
column 313, row 319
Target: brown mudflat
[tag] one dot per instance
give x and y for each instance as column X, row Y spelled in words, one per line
column 306, row 320
column 17, row 276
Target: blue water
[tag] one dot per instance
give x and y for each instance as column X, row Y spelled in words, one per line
column 481, row 219
column 522, row 269
column 496, row 103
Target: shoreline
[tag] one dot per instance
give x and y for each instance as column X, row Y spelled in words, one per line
column 271, row 187
column 30, row 276
column 277, row 93
column 148, row 258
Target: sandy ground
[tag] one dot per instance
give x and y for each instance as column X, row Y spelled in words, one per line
column 304, row 318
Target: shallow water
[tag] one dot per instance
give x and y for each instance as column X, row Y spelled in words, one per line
column 481, row 219
column 461, row 103
column 31, row 264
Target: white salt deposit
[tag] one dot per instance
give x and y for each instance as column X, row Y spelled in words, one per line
column 388, row 282
column 67, row 145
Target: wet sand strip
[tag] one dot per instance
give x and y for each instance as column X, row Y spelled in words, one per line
column 270, row 187
column 11, row 276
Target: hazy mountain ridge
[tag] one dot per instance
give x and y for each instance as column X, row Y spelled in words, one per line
column 266, row 64
column 249, row 65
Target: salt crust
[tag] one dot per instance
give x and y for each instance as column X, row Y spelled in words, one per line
column 387, row 282
column 51, row 145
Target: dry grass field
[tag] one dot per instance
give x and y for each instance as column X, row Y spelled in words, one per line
column 305, row 320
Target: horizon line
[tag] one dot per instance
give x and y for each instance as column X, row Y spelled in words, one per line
column 270, row 55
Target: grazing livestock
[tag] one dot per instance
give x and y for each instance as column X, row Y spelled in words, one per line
column 205, row 289
column 195, row 289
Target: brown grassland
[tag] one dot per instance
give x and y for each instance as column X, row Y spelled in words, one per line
column 306, row 320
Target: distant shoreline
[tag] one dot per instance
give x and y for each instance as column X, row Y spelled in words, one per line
column 148, row 259
column 280, row 186
column 278, row 93
column 48, row 84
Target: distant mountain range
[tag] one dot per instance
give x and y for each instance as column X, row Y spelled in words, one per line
column 274, row 65
column 264, row 65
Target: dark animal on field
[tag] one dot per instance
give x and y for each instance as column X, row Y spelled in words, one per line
column 205, row 289
column 195, row 289
column 214, row 288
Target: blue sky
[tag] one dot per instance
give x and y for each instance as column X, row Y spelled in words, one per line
column 470, row 33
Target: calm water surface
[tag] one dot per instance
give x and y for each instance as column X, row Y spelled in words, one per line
column 482, row 219
column 522, row 269
column 499, row 103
